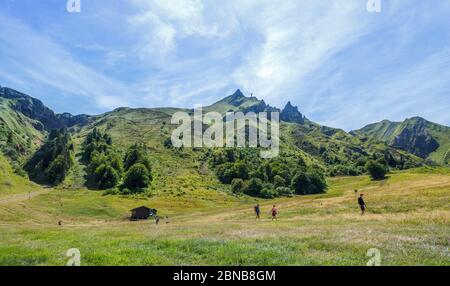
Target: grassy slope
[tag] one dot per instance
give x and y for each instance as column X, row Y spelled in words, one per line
column 344, row 146
column 408, row 221
column 12, row 184
column 176, row 172
column 387, row 131
column 26, row 137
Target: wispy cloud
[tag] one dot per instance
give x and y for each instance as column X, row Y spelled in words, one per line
column 342, row 65
column 41, row 61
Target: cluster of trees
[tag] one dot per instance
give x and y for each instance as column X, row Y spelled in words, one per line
column 377, row 169
column 53, row 160
column 248, row 174
column 107, row 169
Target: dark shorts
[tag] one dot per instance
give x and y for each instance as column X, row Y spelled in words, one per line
column 363, row 208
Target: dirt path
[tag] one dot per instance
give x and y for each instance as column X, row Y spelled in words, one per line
column 23, row 197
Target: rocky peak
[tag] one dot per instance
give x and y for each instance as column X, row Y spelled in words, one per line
column 236, row 98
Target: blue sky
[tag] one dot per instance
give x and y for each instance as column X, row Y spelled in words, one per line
column 343, row 66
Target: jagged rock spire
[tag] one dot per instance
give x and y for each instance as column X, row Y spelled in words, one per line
column 290, row 113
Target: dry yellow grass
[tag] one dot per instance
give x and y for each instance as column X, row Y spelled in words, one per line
column 407, row 220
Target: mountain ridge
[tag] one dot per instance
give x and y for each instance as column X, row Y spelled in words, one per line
column 416, row 135
column 339, row 152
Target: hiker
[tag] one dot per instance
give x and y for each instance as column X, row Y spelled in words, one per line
column 167, row 220
column 274, row 213
column 362, row 204
column 257, row 212
column 157, row 220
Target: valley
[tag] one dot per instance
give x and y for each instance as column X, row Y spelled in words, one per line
column 210, row 223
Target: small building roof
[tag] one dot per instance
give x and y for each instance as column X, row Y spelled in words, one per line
column 143, row 207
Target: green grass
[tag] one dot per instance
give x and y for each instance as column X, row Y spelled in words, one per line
column 407, row 220
column 12, row 184
column 408, row 214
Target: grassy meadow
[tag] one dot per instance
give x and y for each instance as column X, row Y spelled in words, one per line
column 407, row 220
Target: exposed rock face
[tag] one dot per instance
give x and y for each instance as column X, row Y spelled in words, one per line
column 416, row 139
column 69, row 120
column 290, row 113
column 33, row 108
column 415, row 135
column 237, row 98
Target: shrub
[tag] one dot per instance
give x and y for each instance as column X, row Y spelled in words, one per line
column 106, row 177
column 53, row 160
column 134, row 155
column 279, row 181
column 300, row 183
column 57, row 170
column 317, row 182
column 229, row 171
column 376, row 170
column 311, row 182
column 237, row 186
column 138, row 176
column 254, row 187
column 284, row 191
column 268, row 193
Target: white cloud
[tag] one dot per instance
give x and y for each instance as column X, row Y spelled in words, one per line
column 181, row 52
column 297, row 40
column 162, row 22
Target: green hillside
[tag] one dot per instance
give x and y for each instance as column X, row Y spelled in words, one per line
column 12, row 184
column 333, row 150
column 416, row 135
column 19, row 135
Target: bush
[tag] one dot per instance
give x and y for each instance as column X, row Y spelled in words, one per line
column 311, row 182
column 254, row 187
column 57, row 170
column 376, row 170
column 138, row 176
column 279, row 181
column 229, row 171
column 105, row 167
column 317, row 182
column 300, row 183
column 106, row 177
column 268, row 193
column 237, row 186
column 136, row 154
column 53, row 160
column 284, row 191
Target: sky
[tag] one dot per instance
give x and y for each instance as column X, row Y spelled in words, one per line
column 340, row 64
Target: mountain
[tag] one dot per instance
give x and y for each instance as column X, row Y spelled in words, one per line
column 290, row 113
column 239, row 102
column 25, row 122
column 416, row 135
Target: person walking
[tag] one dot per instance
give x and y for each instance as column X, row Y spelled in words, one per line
column 362, row 204
column 257, row 212
column 274, row 213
